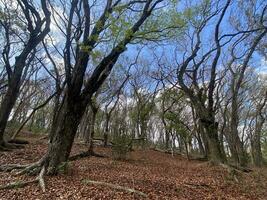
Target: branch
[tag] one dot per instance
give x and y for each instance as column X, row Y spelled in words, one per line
column 117, row 187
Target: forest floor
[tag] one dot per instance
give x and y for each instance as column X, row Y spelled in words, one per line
column 159, row 175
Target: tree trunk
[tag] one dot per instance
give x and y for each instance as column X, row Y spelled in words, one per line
column 211, row 131
column 92, row 131
column 61, row 140
column 167, row 140
column 200, row 145
column 256, row 143
column 256, row 151
column 7, row 104
column 221, row 145
column 236, row 146
column 94, row 109
column 204, row 139
column 56, row 109
column 106, row 130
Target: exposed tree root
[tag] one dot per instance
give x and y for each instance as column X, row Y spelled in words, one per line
column 230, row 168
column 41, row 179
column 3, row 148
column 235, row 170
column 241, row 169
column 9, row 168
column 232, row 172
column 31, row 169
column 117, row 187
column 19, row 184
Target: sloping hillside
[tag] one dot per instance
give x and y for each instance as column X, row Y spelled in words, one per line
column 156, row 174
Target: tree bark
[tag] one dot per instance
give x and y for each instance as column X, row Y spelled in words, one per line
column 211, row 132
column 8, row 103
column 77, row 94
column 92, row 129
column 106, row 129
column 37, row 34
column 256, row 143
column 236, row 145
column 61, row 140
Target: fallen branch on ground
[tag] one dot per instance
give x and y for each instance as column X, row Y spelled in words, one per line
column 18, row 141
column 165, row 151
column 86, row 154
column 199, row 158
column 6, row 146
column 196, row 185
column 117, row 187
column 96, row 142
column 44, row 137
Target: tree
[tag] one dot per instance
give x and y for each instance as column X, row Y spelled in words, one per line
column 78, row 91
column 37, row 29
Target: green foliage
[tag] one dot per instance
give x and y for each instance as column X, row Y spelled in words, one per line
column 120, row 8
column 121, row 146
column 164, row 24
column 196, row 12
column 142, row 111
column 17, row 184
column 175, row 101
column 119, row 27
column 96, row 56
column 85, row 48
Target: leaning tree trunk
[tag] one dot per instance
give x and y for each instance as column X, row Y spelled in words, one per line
column 61, row 140
column 7, row 104
column 36, row 35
